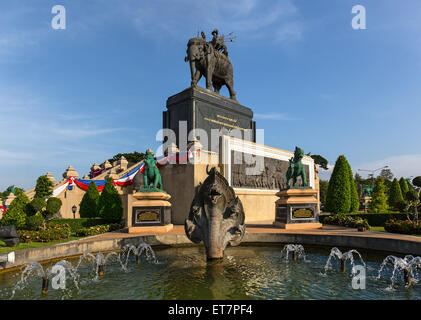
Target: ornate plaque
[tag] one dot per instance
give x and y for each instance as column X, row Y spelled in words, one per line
column 147, row 215
column 302, row 213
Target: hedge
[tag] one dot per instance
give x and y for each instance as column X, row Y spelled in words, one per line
column 77, row 224
column 350, row 221
column 94, row 230
column 402, row 227
column 374, row 219
column 53, row 233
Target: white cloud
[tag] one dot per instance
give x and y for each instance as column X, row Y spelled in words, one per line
column 271, row 116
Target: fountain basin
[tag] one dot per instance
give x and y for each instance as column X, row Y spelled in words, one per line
column 247, row 272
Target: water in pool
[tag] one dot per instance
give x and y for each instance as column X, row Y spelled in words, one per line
column 247, row 272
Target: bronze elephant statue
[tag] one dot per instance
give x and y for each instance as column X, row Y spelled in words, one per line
column 210, row 63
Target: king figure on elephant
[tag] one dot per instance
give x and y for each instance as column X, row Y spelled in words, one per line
column 210, row 59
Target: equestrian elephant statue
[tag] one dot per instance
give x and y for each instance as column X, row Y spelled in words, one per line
column 210, row 63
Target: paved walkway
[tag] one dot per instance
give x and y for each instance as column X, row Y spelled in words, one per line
column 267, row 229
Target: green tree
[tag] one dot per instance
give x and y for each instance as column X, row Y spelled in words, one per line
column 53, row 207
column 35, row 206
column 89, row 203
column 321, row 161
column 132, row 157
column 379, row 199
column 110, row 204
column 395, row 194
column 16, row 213
column 355, row 199
column 323, row 186
column 404, row 186
column 43, row 188
column 338, row 197
column 386, row 174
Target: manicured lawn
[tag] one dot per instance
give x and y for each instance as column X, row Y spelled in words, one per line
column 377, row 229
column 4, row 249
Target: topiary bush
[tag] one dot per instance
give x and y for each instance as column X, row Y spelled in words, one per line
column 395, row 194
column 110, row 204
column 89, row 203
column 35, row 206
column 43, row 187
column 34, row 222
column 16, row 213
column 404, row 186
column 338, row 197
column 355, row 199
column 53, row 207
column 378, row 201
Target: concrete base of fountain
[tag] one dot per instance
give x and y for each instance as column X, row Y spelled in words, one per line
column 151, row 212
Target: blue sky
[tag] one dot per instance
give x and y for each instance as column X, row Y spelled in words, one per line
column 81, row 95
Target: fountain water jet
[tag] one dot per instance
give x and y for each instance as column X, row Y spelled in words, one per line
column 100, row 261
column 296, row 249
column 343, row 257
column 137, row 251
column 38, row 270
column 409, row 265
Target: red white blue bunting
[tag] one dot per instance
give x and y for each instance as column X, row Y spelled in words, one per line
column 127, row 179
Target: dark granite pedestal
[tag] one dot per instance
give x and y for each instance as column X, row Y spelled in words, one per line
column 203, row 109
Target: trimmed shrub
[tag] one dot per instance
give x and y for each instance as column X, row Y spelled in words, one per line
column 89, row 203
column 53, row 207
column 16, row 213
column 395, row 194
column 379, row 200
column 404, row 186
column 355, row 199
column 110, row 204
column 34, row 222
column 43, row 188
column 35, row 206
column 338, row 198
column 417, row 182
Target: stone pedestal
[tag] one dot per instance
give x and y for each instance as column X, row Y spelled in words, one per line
column 151, row 211
column 198, row 108
column 297, row 209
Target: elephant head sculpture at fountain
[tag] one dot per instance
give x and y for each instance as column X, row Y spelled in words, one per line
column 206, row 59
column 216, row 216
